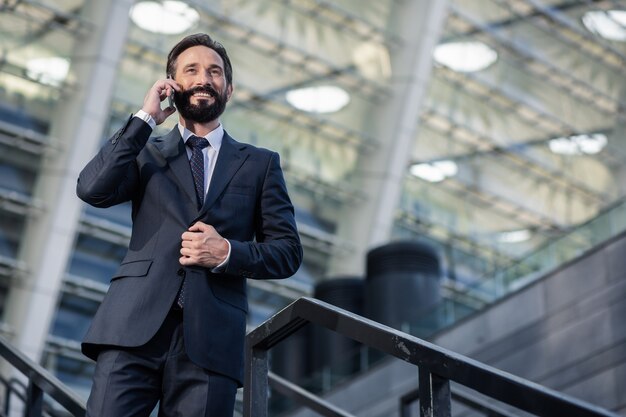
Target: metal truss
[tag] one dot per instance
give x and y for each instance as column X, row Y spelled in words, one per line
column 296, row 58
column 562, row 28
column 344, row 21
column 540, row 67
column 481, row 143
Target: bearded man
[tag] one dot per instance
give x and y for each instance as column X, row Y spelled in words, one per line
column 208, row 213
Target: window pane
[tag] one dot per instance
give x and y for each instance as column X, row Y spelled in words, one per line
column 119, row 214
column 95, row 259
column 73, row 317
column 11, row 228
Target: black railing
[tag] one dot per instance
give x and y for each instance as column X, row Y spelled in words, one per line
column 40, row 381
column 436, row 366
column 306, row 398
column 476, row 404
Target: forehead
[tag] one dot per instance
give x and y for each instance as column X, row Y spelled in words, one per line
column 200, row 55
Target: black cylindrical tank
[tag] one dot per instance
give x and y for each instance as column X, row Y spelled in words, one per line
column 330, row 349
column 402, row 283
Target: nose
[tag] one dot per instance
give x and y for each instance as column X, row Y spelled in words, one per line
column 204, row 78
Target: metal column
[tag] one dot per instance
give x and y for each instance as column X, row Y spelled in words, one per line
column 77, row 130
column 380, row 173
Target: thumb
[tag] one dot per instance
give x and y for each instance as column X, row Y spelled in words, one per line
column 199, row 227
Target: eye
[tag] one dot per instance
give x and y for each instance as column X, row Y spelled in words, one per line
column 216, row 72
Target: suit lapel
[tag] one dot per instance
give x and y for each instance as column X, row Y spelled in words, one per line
column 230, row 158
column 174, row 152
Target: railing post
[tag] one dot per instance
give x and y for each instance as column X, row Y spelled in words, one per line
column 255, row 393
column 34, row 401
column 434, row 394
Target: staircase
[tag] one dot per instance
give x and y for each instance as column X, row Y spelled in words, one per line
column 30, row 397
column 436, row 369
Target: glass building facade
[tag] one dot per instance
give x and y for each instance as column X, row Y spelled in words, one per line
column 492, row 130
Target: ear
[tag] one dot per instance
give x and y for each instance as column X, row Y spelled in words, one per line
column 229, row 91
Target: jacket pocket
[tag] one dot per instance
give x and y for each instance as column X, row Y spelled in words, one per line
column 133, row 269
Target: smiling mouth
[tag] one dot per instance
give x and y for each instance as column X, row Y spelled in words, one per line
column 203, row 95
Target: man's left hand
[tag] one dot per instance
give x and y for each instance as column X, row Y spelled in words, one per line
column 203, row 246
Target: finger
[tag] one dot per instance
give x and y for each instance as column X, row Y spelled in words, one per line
column 191, row 244
column 172, row 84
column 200, row 227
column 189, row 236
column 188, row 252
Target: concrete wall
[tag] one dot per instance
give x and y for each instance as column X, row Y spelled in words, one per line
column 566, row 331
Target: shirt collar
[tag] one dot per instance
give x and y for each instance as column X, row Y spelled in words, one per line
column 214, row 137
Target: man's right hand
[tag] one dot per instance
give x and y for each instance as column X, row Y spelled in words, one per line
column 159, row 92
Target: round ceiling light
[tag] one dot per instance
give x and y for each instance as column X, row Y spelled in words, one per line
column 579, row 144
column 515, row 236
column 609, row 24
column 50, row 71
column 435, row 171
column 168, row 17
column 465, row 56
column 322, row 99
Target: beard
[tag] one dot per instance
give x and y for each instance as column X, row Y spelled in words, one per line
column 203, row 112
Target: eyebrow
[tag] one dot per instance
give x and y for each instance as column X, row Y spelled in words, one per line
column 194, row 64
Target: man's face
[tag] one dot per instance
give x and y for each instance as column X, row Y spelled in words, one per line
column 205, row 91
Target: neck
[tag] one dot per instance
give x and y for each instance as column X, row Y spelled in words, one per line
column 199, row 129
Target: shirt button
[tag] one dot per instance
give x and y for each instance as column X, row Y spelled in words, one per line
column 181, row 272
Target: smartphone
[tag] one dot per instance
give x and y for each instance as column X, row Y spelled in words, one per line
column 170, row 98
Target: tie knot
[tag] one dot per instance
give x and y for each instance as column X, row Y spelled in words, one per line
column 197, row 142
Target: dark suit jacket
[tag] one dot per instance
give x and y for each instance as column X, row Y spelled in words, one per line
column 247, row 203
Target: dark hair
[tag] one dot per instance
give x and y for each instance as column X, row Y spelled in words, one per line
column 195, row 40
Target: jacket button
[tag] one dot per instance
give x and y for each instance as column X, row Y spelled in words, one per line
column 181, row 272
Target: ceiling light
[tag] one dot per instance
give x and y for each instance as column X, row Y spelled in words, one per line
column 514, row 236
column 435, row 171
column 50, row 71
column 609, row 24
column 322, row 99
column 167, row 17
column 579, row 144
column 465, row 56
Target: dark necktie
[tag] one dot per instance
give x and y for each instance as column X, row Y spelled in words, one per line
column 197, row 170
column 197, row 165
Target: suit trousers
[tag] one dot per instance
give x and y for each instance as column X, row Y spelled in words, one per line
column 129, row 382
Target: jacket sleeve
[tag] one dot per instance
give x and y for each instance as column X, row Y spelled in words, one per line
column 111, row 177
column 276, row 252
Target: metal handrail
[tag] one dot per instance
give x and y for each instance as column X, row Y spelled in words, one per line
column 476, row 404
column 312, row 401
column 41, row 381
column 436, row 366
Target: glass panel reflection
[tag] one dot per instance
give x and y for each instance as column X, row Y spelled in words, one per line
column 73, row 316
column 17, row 170
column 119, row 214
column 95, row 259
column 75, row 373
column 11, row 229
